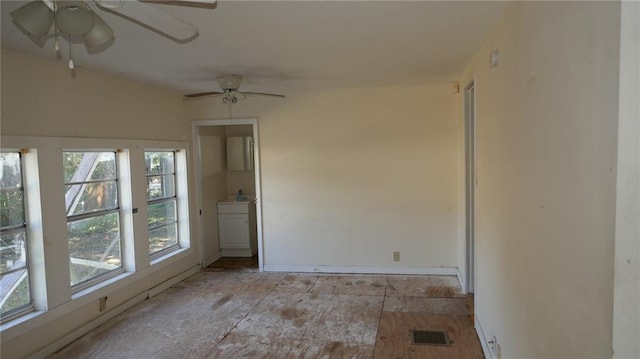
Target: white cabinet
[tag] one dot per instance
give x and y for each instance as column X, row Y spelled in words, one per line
column 237, row 229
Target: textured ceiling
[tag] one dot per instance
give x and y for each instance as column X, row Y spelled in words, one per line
column 281, row 46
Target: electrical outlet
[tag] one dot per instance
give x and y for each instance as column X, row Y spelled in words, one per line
column 396, row 256
column 102, row 303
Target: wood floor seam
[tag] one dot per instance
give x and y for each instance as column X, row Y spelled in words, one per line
column 245, row 316
column 384, row 298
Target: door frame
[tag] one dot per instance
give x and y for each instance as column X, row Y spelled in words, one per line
column 470, row 183
column 195, row 125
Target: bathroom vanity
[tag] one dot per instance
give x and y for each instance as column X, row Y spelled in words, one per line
column 237, row 228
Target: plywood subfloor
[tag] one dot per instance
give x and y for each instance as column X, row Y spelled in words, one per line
column 233, row 313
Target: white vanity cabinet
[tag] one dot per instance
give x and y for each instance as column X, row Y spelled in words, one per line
column 237, row 228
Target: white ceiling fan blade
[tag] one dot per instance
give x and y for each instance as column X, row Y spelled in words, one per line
column 49, row 4
column 207, row 4
column 151, row 17
column 199, row 1
column 261, row 94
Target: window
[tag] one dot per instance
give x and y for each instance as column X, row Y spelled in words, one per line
column 15, row 291
column 161, row 201
column 93, row 215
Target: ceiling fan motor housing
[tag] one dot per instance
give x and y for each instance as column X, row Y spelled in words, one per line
column 229, row 82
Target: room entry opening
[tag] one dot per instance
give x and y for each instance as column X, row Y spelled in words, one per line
column 470, row 184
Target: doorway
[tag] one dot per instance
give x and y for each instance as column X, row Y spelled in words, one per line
column 470, row 184
column 221, row 208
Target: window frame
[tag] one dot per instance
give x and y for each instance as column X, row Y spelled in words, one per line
column 24, row 227
column 100, row 278
column 175, row 199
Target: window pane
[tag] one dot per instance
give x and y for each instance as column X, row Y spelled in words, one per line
column 162, row 213
column 161, row 162
column 161, row 187
column 163, row 237
column 10, row 174
column 94, row 246
column 15, row 287
column 13, row 253
column 11, row 208
column 90, row 197
column 89, row 166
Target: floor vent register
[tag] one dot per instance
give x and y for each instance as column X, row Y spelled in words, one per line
column 430, row 337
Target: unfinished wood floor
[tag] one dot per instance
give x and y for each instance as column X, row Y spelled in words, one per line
column 222, row 313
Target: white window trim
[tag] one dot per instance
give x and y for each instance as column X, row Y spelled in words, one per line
column 53, row 297
column 29, row 307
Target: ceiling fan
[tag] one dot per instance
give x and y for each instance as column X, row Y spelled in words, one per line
column 229, row 85
column 78, row 18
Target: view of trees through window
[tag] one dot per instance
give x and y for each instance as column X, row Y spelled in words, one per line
column 15, row 292
column 92, row 198
column 161, row 196
column 93, row 218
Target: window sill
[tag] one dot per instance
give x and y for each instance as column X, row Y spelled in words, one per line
column 21, row 319
column 168, row 255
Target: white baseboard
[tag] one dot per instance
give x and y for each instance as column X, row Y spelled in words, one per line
column 361, row 269
column 86, row 328
column 461, row 280
column 483, row 340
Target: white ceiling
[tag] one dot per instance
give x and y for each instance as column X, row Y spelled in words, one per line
column 280, row 46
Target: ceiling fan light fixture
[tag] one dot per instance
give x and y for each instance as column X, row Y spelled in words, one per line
column 99, row 34
column 34, row 18
column 74, row 19
column 229, row 82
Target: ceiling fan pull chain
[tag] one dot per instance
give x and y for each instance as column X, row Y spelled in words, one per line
column 56, row 44
column 71, row 64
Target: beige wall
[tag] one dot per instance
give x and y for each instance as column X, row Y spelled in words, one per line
column 547, row 128
column 351, row 175
column 41, row 99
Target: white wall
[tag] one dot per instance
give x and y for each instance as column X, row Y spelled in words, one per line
column 213, row 187
column 351, row 175
column 40, row 98
column 626, row 309
column 547, row 129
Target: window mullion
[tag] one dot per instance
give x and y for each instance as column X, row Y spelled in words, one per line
column 78, row 217
column 13, row 229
